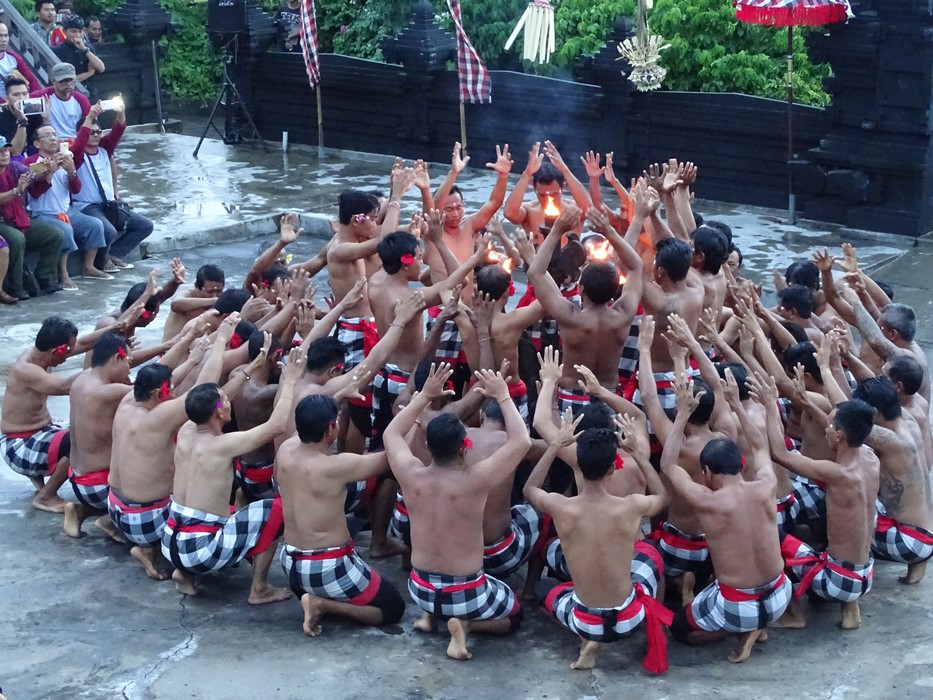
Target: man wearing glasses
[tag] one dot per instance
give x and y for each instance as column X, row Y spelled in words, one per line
column 67, row 108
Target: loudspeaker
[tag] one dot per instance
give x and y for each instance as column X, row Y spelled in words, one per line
column 227, row 17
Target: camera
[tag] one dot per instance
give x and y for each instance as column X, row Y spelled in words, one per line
column 112, row 105
column 32, row 105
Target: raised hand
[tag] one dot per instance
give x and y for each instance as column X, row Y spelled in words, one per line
column 632, row 435
column 457, row 161
column 646, row 199
column 670, row 180
column 551, row 368
column 503, row 163
column 228, row 327
column 591, row 163
column 178, row 271
column 679, row 330
column 406, row 310
column 824, row 261
column 535, row 159
column 687, row 172
column 599, row 220
column 422, row 179
column 524, row 246
column 850, row 262
column 491, row 384
column 686, row 401
column 762, row 390
column 292, row 372
column 589, row 383
column 565, row 433
column 198, row 349
column 435, row 225
column 646, row 333
column 609, row 173
column 289, row 228
column 708, row 328
column 654, row 177
column 730, row 388
column 568, row 220
column 484, row 309
column 353, row 390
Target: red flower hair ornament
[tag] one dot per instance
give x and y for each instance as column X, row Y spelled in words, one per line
column 408, row 259
column 467, row 444
column 235, row 341
column 165, row 390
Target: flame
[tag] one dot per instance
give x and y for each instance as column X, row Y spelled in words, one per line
column 551, row 211
column 621, row 279
column 598, row 251
column 507, row 265
column 492, row 256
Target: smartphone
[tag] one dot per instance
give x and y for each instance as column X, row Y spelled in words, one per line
column 63, row 147
column 32, row 105
column 36, row 168
column 111, row 105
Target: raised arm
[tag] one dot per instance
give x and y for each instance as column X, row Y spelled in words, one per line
column 289, row 231
column 577, row 190
column 631, row 429
column 502, row 166
column 515, row 205
column 504, row 460
column 457, row 164
column 546, row 289
column 660, row 423
column 593, row 172
column 564, row 438
column 679, row 479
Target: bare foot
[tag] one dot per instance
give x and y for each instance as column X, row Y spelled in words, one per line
column 687, row 583
column 148, row 562
column 312, row 605
column 457, row 649
column 184, row 583
column 587, row 658
column 383, row 550
column 105, row 525
column 97, row 274
column 68, row 283
column 763, row 637
column 50, row 504
column 792, row 619
column 268, row 594
column 851, row 616
column 744, row 649
column 426, row 624
column 75, row 513
column 915, row 573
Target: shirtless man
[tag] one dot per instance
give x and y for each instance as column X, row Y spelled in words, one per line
column 905, row 529
column 31, row 444
column 323, row 570
column 208, row 284
column 795, row 304
column 906, row 375
column 594, row 335
column 737, row 514
column 446, row 501
column 843, row 573
column 142, row 459
column 95, row 395
column 548, row 180
column 201, row 535
column 710, row 253
column 616, row 576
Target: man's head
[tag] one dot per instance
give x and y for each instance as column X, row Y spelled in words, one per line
column 4, row 37
column 710, row 249
column 493, row 281
column 63, row 80
column 596, row 453
column 739, row 373
column 242, row 333
column 704, row 410
column 548, row 182
column 796, row 303
column 273, row 282
column 45, row 11
column 17, row 89
column 231, row 300
column 850, row 422
column 445, row 437
column 74, row 29
column 880, row 393
column 5, row 153
column 803, row 354
column 57, row 335
column 94, row 29
column 898, row 323
column 93, row 140
column 209, row 280
column 153, row 381
column 734, row 261
column 45, row 139
column 206, row 401
column 400, row 253
column 599, row 282
column 905, row 373
column 150, row 310
column 453, row 208
column 112, row 350
column 316, row 418
column 721, row 457
column 254, row 347
column 358, row 210
column 672, row 258
column 491, row 412
column 326, row 355
column 805, row 273
column 596, row 414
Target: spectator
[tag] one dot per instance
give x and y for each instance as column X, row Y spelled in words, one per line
column 74, row 51
column 289, row 23
column 94, row 32
column 49, row 200
column 22, row 234
column 45, row 19
column 67, row 108
column 93, row 157
column 12, row 64
column 16, row 127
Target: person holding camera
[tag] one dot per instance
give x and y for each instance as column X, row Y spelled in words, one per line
column 67, row 108
column 12, row 64
column 20, row 116
column 93, row 154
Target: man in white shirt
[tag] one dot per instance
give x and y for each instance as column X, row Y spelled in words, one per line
column 67, row 108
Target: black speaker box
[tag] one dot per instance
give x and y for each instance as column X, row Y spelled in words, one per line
column 226, row 17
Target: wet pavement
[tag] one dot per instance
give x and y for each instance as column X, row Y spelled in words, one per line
column 79, row 619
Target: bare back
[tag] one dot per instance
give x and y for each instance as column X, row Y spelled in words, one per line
column 24, row 408
column 142, row 461
column 850, row 507
column 203, row 478
column 93, row 408
column 595, row 339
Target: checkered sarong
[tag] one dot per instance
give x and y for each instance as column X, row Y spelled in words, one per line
column 628, row 361
column 358, row 335
column 574, row 399
column 335, row 573
column 388, row 384
column 556, row 561
column 664, row 381
column 477, row 597
column 810, row 497
column 681, row 551
column 91, row 489
column 358, row 495
column 788, row 508
column 508, row 554
column 140, row 523
column 450, row 347
column 35, row 453
column 399, row 525
column 255, row 480
column 202, row 542
column 829, row 578
column 899, row 542
column 737, row 610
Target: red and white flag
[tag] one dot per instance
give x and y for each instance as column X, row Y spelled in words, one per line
column 309, row 42
column 475, row 85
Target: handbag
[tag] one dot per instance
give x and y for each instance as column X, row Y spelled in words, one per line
column 116, row 211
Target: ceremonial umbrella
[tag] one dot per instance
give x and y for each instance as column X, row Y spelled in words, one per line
column 790, row 14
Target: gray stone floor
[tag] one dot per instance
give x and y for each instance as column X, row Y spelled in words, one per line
column 98, row 628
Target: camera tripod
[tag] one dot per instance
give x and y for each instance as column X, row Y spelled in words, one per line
column 229, row 96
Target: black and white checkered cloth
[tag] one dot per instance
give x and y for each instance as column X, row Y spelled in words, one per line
column 399, row 526
column 388, row 384
column 829, row 578
column 574, row 399
column 788, row 509
column 255, row 480
column 335, row 573
column 358, row 495
column 667, row 397
column 202, row 542
column 508, row 554
column 352, row 333
column 681, row 551
column 556, row 561
column 810, row 497
column 477, row 597
column 896, row 541
column 450, row 346
column 628, row 361
column 91, row 489
column 140, row 523
column 33, row 454
column 719, row 607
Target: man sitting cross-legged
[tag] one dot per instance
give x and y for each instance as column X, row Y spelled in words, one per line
column 738, row 516
column 843, row 572
column 319, row 559
column 615, row 577
column 201, row 535
column 445, row 501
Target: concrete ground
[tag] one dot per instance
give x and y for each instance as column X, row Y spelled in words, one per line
column 98, row 628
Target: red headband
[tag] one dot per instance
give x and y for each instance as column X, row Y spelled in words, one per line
column 408, row 259
column 61, row 350
column 467, row 444
column 235, row 341
column 165, row 390
column 121, row 352
column 145, row 315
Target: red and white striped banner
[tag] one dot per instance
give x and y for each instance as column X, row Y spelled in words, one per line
column 309, row 42
column 475, row 85
column 796, row 13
